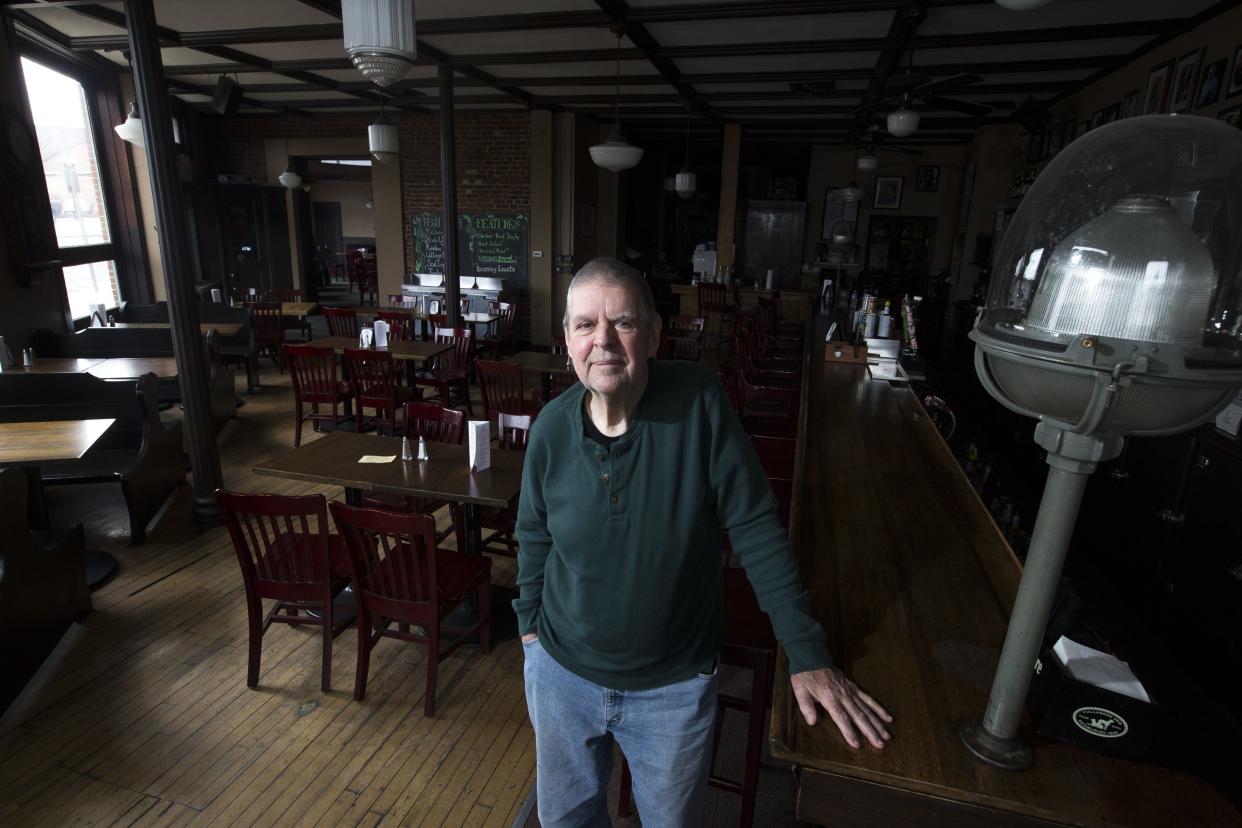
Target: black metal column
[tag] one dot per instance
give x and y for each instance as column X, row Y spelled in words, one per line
column 448, row 195
column 152, row 93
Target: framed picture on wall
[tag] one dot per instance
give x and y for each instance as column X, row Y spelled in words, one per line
column 837, row 208
column 927, row 180
column 1235, row 77
column 1129, row 106
column 1097, row 119
column 888, row 192
column 1183, row 86
column 1232, row 116
column 1112, row 113
column 1081, row 129
column 1157, row 89
column 1210, row 83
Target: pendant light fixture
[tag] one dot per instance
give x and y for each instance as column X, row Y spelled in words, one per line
column 905, row 120
column 868, row 162
column 383, row 141
column 131, row 130
column 852, row 193
column 379, row 38
column 616, row 154
column 685, row 182
column 289, row 179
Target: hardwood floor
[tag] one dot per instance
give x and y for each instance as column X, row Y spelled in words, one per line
column 142, row 716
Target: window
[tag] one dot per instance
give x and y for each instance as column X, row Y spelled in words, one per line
column 75, row 186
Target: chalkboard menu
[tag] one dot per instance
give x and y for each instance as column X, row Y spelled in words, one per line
column 488, row 244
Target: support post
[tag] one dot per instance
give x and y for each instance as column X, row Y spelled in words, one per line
column 152, row 93
column 448, row 196
column 727, row 216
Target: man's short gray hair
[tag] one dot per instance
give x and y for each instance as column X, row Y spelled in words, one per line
column 616, row 272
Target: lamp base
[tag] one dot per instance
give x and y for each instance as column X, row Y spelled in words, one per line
column 1006, row 754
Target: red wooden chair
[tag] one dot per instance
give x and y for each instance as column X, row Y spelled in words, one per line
column 748, row 643
column 374, row 383
column 368, row 280
column 341, row 322
column 450, row 369
column 502, row 389
column 315, row 383
column 268, row 333
column 400, row 324
column 435, row 424
column 290, row 323
column 401, row 575
column 713, row 299
column 682, row 338
column 500, row 336
column 285, row 560
column 562, row 382
column 776, row 455
column 512, row 433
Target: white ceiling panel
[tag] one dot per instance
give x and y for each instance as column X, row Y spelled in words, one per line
column 310, row 95
column 197, row 16
column 296, row 50
column 429, row 9
column 772, row 29
column 548, row 40
column 190, row 97
column 594, row 68
column 1029, row 51
column 73, row 24
column 777, row 63
column 993, row 18
column 642, row 89
column 179, row 56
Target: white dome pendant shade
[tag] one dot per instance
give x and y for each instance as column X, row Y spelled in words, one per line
column 383, row 142
column 903, row 122
column 616, row 153
column 379, row 38
column 289, row 179
column 868, row 162
column 131, row 130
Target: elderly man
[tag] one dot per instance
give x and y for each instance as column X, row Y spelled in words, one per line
column 629, row 480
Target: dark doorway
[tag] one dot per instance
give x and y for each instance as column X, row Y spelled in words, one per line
column 329, row 238
column 254, row 237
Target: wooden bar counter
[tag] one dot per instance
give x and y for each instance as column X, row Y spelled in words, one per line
column 913, row 583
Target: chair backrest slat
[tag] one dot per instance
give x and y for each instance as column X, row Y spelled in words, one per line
column 392, row 554
column 434, row 423
column 341, row 321
column 273, row 537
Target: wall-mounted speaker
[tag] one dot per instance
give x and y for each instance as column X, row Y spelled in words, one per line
column 1033, row 115
column 227, row 98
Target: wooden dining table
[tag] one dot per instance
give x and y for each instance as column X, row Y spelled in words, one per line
column 27, row 444
column 299, row 310
column 334, row 459
column 546, row 365
column 105, row 368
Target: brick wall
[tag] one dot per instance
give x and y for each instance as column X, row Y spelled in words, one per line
column 493, row 160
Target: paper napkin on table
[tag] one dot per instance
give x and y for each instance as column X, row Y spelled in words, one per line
column 480, row 444
column 1099, row 669
column 377, row 458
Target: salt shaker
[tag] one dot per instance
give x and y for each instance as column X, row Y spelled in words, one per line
column 422, row 449
column 406, row 454
column 28, row 357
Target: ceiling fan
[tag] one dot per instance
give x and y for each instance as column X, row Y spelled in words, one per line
column 870, row 142
column 911, row 87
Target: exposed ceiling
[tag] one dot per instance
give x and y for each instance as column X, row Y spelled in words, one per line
column 787, row 70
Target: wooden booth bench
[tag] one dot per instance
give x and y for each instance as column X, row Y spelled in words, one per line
column 239, row 345
column 138, row 451
column 42, row 588
column 143, row 343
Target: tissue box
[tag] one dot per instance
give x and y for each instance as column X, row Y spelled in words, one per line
column 1068, row 710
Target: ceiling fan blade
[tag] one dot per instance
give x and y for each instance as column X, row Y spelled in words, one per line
column 905, row 83
column 976, row 110
column 902, row 150
column 872, row 106
column 947, row 84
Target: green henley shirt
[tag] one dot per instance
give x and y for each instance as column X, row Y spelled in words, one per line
column 619, row 568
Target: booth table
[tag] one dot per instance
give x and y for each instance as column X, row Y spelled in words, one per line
column 222, row 328
column 543, row 364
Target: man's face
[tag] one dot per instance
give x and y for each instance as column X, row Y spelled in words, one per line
column 606, row 340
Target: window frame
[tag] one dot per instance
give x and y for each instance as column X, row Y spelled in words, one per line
column 127, row 248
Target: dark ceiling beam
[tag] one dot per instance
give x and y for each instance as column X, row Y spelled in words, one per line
column 223, row 37
column 899, row 32
column 618, row 12
column 116, row 18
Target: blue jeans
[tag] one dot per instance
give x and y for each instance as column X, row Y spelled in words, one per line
column 664, row 733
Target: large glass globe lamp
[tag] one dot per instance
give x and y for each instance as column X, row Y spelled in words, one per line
column 1113, row 310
